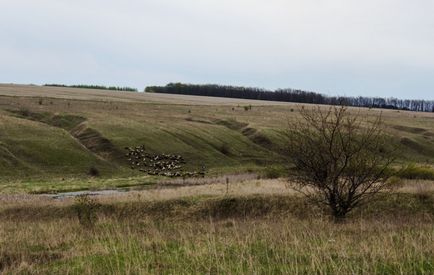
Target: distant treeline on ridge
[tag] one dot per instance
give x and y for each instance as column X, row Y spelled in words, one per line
column 291, row 95
column 99, row 87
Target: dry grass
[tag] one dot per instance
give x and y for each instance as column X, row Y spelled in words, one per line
column 241, row 188
column 249, row 226
column 104, row 95
column 265, row 234
column 416, row 186
column 229, row 178
column 260, row 227
column 239, row 185
column 287, row 246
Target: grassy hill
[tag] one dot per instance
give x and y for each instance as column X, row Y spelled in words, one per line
column 51, row 138
column 51, row 134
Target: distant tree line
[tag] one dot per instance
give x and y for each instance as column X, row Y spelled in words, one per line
column 292, row 95
column 99, row 87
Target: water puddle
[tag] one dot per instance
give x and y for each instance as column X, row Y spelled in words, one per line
column 59, row 196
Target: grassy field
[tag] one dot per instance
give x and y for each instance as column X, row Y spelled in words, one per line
column 198, row 230
column 57, row 134
column 243, row 218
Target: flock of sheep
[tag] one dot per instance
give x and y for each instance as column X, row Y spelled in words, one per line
column 168, row 165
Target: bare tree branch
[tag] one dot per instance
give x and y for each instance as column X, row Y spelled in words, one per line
column 340, row 159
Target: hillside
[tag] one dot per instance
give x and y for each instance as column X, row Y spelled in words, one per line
column 51, row 133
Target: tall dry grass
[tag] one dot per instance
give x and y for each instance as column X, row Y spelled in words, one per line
column 237, row 234
column 263, row 246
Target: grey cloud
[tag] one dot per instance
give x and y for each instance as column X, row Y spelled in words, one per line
column 336, row 46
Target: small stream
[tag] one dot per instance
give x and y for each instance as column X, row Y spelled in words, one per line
column 64, row 195
column 169, row 183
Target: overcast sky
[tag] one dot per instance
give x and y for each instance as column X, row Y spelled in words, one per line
column 337, row 47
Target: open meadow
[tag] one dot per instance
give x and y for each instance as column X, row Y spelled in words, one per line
column 51, row 134
column 243, row 218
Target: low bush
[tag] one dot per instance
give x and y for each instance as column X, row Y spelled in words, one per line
column 93, row 172
column 225, row 149
column 86, row 208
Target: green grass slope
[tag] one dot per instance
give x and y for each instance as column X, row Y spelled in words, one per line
column 29, row 148
column 37, row 140
column 46, row 135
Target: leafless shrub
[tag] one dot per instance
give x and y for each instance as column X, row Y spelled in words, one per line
column 93, row 172
column 85, row 207
column 340, row 159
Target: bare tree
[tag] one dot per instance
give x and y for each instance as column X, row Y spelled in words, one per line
column 340, row 159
